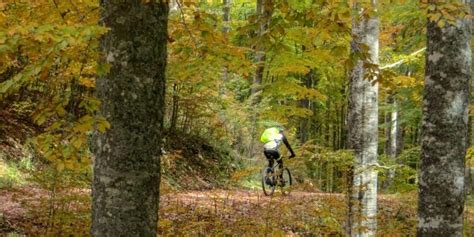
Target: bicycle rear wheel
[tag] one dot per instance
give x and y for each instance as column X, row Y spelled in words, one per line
column 268, row 181
column 287, row 181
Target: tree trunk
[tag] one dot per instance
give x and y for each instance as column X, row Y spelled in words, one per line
column 342, row 126
column 363, row 127
column 444, row 129
column 468, row 173
column 392, row 144
column 174, row 6
column 174, row 109
column 125, row 191
column 388, row 126
column 225, row 29
column 226, row 15
column 263, row 16
column 303, row 129
column 264, row 10
column 327, row 123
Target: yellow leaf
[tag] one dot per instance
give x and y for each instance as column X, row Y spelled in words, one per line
column 87, row 82
column 77, row 142
column 60, row 167
column 441, row 23
column 60, row 111
column 102, row 125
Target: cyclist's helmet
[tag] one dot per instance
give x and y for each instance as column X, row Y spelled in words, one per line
column 272, row 124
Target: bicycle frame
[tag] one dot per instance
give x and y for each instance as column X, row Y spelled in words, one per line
column 276, row 165
column 275, row 173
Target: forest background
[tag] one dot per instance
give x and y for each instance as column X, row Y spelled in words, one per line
column 234, row 66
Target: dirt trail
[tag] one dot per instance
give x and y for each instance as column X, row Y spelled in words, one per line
column 173, row 205
column 224, row 212
column 241, row 199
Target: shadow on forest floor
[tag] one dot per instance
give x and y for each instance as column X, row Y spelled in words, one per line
column 216, row 213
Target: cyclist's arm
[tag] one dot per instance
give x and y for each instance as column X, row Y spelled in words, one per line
column 287, row 144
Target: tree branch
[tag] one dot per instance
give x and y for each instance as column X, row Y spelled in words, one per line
column 398, row 63
column 372, row 165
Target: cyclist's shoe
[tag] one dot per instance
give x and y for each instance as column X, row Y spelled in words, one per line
column 282, row 182
column 268, row 181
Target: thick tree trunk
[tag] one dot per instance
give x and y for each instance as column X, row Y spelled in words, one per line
column 468, row 173
column 444, row 129
column 363, row 128
column 125, row 192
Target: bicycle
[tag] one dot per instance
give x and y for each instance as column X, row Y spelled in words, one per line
column 273, row 177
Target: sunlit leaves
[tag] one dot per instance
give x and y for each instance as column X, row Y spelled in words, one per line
column 445, row 12
column 49, row 50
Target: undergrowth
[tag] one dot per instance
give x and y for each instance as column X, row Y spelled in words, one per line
column 227, row 213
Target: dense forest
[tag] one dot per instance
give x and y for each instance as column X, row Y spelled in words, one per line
column 158, row 118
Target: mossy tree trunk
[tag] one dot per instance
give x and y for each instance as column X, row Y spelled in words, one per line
column 125, row 192
column 444, row 128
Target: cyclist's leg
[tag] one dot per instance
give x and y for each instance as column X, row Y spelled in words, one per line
column 280, row 162
column 269, row 156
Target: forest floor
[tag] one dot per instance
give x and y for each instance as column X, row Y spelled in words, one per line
column 213, row 212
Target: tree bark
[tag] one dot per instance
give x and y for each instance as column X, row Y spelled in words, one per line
column 264, row 10
column 173, row 5
column 363, row 126
column 303, row 129
column 393, row 135
column 264, row 13
column 444, row 128
column 125, row 191
column 226, row 4
column 226, row 15
column 174, row 109
column 468, row 173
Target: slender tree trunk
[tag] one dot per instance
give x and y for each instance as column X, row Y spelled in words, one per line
column 363, row 127
column 225, row 29
column 393, row 146
column 392, row 143
column 264, row 10
column 226, row 15
column 175, row 109
column 125, row 191
column 327, row 122
column 303, row 129
column 343, row 130
column 259, row 50
column 444, row 129
column 388, row 124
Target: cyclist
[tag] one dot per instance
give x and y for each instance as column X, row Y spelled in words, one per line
column 273, row 137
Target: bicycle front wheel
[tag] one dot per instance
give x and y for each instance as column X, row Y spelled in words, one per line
column 268, row 181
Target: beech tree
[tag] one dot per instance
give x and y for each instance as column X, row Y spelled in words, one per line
column 444, row 123
column 127, row 165
column 363, row 121
column 264, row 10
